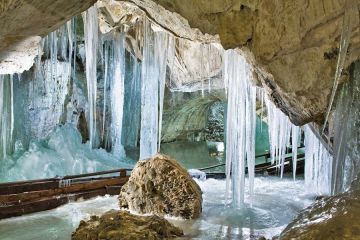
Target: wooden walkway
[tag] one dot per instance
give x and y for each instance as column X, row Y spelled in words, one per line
column 263, row 168
column 24, row 197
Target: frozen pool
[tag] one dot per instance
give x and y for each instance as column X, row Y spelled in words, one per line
column 276, row 202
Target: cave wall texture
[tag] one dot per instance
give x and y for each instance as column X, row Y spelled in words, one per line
column 293, row 45
column 24, row 22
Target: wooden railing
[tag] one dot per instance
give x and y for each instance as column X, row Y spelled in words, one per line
column 24, row 197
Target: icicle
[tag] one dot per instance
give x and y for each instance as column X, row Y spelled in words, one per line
column 106, row 67
column 117, row 93
column 7, row 115
column 295, row 130
column 53, row 54
column 351, row 12
column 260, row 97
column 318, row 163
column 3, row 117
column 161, row 39
column 132, row 107
column 171, row 59
column 346, row 164
column 240, row 126
column 91, row 46
column 11, row 108
column 279, row 134
column 75, row 46
column 208, row 58
column 70, row 38
column 153, row 77
column 202, row 74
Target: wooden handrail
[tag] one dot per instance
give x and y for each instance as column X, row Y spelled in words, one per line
column 261, row 155
column 57, row 179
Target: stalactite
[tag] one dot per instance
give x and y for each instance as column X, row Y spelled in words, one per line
column 346, row 147
column 117, row 93
column 349, row 21
column 240, row 126
column 153, row 80
column 107, row 52
column 318, row 162
column 7, row 115
column 295, row 134
column 91, row 50
column 279, row 133
column 132, row 107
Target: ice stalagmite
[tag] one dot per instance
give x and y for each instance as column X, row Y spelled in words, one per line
column 240, row 126
column 152, row 89
column 318, row 162
column 91, row 49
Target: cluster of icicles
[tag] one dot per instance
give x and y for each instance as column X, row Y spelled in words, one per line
column 158, row 53
column 240, row 136
column 152, row 72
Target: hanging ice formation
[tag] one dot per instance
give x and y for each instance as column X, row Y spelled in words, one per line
column 53, row 65
column 295, row 139
column 349, row 21
column 132, row 103
column 240, row 127
column 318, row 165
column 195, row 66
column 279, row 134
column 152, row 88
column 91, row 48
column 346, row 147
column 117, row 93
column 7, row 115
column 57, row 46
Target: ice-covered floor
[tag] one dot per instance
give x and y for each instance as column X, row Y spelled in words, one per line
column 59, row 154
column 276, row 203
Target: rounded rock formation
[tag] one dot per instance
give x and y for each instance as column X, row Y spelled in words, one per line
column 161, row 186
column 123, row 225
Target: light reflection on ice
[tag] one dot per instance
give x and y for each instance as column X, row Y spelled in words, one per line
column 276, row 203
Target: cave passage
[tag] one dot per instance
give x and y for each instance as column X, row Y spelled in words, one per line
column 104, row 95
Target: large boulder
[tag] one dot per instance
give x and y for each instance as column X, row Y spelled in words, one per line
column 125, row 226
column 161, row 186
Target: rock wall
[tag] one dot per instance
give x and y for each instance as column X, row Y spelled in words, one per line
column 23, row 21
column 189, row 116
column 293, row 45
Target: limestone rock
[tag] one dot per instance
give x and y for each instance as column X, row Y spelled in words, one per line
column 197, row 60
column 293, row 45
column 189, row 117
column 125, row 226
column 161, row 186
column 22, row 21
column 335, row 217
